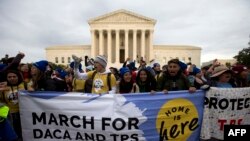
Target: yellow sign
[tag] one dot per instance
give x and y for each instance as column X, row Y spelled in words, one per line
column 177, row 119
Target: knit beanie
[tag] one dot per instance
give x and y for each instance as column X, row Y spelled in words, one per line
column 156, row 64
column 61, row 72
column 124, row 70
column 152, row 72
column 131, row 66
column 196, row 70
column 183, row 66
column 41, row 65
column 101, row 60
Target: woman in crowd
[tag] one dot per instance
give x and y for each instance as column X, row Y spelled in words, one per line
column 59, row 79
column 126, row 84
column 69, row 82
column 174, row 79
column 145, row 81
column 131, row 66
column 39, row 81
column 157, row 70
column 25, row 71
column 10, row 98
column 10, row 65
column 49, row 71
column 221, row 77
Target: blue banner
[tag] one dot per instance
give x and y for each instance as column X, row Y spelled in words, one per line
column 112, row 117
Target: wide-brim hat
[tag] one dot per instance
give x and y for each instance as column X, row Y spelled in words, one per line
column 220, row 70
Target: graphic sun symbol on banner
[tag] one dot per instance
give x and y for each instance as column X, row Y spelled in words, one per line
column 176, row 120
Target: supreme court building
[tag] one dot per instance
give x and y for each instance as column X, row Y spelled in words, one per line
column 122, row 34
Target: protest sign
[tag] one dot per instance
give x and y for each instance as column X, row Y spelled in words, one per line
column 111, row 117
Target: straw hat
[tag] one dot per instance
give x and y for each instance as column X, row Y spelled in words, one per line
column 220, row 70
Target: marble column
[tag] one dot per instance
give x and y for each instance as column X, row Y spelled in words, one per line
column 117, row 46
column 93, row 45
column 143, row 44
column 151, row 34
column 134, row 44
column 109, row 47
column 126, row 43
column 101, row 47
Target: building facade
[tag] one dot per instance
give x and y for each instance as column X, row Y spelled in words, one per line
column 123, row 34
column 221, row 61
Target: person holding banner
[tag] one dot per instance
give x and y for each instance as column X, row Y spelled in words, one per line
column 58, row 76
column 221, row 77
column 103, row 82
column 157, row 69
column 39, row 81
column 146, row 81
column 174, row 79
column 196, row 73
column 131, row 66
column 10, row 98
column 126, row 84
column 11, row 64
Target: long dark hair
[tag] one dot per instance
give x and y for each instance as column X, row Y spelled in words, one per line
column 150, row 83
column 38, row 79
column 126, row 87
column 19, row 76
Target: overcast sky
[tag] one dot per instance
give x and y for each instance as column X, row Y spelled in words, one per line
column 220, row 27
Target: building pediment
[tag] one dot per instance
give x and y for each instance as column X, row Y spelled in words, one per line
column 121, row 16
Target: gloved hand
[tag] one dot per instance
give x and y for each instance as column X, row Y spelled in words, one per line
column 77, row 61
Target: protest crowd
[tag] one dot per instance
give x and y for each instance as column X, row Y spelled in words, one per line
column 96, row 78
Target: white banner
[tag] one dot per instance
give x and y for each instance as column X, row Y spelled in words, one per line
column 47, row 117
column 225, row 106
column 50, row 116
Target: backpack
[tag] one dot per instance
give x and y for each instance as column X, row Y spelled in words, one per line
column 89, row 82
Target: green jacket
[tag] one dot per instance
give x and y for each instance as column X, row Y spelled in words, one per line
column 179, row 82
column 4, row 110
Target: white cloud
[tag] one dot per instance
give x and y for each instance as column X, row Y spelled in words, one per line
column 221, row 27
